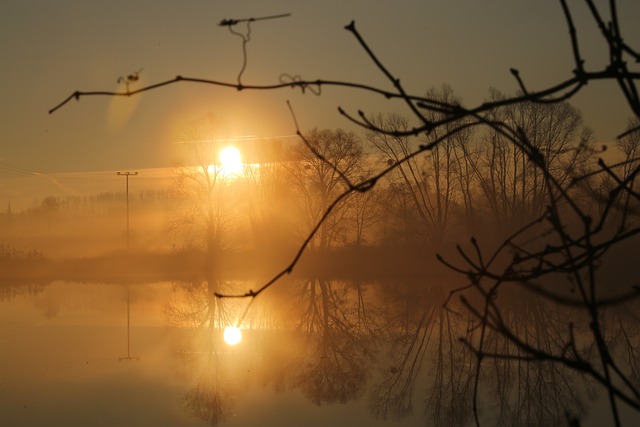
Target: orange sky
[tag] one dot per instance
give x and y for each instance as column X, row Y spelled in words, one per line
column 51, row 49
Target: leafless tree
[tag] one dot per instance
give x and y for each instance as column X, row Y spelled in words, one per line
column 317, row 182
column 439, row 182
column 205, row 217
column 362, row 218
column 267, row 203
column 512, row 185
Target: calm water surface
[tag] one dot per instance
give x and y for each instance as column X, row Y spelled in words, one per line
column 313, row 353
column 69, row 359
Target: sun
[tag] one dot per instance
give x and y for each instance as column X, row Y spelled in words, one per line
column 230, row 160
column 232, row 335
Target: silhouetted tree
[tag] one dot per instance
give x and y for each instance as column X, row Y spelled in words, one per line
column 512, row 185
column 318, row 178
column 205, row 217
column 268, row 204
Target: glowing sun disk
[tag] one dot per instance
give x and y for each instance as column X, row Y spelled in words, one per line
column 232, row 335
column 231, row 160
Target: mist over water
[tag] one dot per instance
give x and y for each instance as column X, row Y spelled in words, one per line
column 314, row 351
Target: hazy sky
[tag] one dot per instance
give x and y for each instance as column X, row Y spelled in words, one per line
column 52, row 48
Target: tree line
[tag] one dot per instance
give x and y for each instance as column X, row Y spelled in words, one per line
column 472, row 183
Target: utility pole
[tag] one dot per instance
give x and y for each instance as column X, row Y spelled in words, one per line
column 126, row 176
column 128, row 357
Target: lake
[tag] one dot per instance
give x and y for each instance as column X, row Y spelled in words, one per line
column 314, row 352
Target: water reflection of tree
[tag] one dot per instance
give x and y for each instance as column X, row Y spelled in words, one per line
column 12, row 291
column 338, row 323
column 531, row 392
column 628, row 338
column 200, row 312
column 198, row 319
column 449, row 401
column 407, row 335
column 415, row 329
column 208, row 400
column 425, row 347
